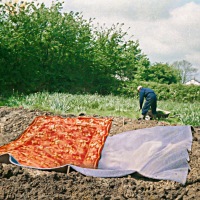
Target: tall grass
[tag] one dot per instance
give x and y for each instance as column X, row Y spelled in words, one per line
column 62, row 103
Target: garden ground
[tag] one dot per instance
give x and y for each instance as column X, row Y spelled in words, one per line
column 22, row 183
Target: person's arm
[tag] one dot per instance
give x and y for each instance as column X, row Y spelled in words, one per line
column 141, row 98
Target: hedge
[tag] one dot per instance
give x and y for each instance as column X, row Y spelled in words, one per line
column 175, row 92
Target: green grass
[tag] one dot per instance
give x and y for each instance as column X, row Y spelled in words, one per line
column 62, row 103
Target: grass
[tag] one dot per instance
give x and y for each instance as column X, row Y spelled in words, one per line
column 62, row 103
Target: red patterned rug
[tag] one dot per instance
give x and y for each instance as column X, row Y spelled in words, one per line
column 52, row 141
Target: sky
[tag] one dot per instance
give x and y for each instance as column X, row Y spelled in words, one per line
column 167, row 30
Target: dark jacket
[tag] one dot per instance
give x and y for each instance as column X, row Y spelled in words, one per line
column 146, row 93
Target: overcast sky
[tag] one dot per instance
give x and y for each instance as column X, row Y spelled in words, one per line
column 167, row 30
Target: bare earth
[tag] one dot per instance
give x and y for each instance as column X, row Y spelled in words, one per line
column 22, row 183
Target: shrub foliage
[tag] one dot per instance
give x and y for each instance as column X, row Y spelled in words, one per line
column 174, row 92
column 44, row 49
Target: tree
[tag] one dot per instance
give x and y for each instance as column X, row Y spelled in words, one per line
column 43, row 48
column 116, row 58
column 158, row 72
column 185, row 69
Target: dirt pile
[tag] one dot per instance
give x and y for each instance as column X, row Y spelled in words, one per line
column 22, row 183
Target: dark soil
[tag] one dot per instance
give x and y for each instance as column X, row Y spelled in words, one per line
column 22, row 183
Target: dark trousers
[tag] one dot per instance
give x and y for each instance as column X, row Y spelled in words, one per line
column 151, row 102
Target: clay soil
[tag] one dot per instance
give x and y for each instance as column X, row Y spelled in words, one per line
column 22, row 183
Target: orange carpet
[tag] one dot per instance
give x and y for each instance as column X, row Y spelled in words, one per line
column 52, row 141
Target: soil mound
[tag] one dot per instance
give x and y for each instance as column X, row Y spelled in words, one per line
column 23, row 183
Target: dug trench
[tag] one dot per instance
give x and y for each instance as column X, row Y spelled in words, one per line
column 23, row 183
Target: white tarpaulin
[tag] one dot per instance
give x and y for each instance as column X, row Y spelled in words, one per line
column 160, row 152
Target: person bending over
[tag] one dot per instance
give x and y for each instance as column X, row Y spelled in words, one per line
column 151, row 101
